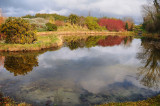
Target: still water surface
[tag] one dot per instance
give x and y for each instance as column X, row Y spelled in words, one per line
column 86, row 71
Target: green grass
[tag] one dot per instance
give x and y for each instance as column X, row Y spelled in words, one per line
column 43, row 42
column 155, row 101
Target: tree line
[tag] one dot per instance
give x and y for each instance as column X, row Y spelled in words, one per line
column 151, row 16
column 92, row 23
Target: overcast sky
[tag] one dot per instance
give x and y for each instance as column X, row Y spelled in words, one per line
column 98, row 8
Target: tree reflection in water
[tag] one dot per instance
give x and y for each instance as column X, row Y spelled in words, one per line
column 2, row 58
column 149, row 74
column 115, row 40
column 74, row 42
column 20, row 64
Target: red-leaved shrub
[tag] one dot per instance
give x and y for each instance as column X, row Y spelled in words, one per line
column 112, row 24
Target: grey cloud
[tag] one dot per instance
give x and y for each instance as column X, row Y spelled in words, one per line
column 98, row 8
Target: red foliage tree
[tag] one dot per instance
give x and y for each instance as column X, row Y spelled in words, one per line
column 111, row 41
column 112, row 24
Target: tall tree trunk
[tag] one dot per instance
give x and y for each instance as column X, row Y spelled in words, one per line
column 157, row 6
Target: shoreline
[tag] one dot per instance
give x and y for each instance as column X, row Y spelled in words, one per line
column 92, row 33
column 43, row 42
column 51, row 39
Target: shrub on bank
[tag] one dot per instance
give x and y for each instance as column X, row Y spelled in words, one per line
column 74, row 27
column 73, row 19
column 92, row 24
column 112, row 24
column 18, row 31
column 51, row 27
column 1, row 35
column 39, row 23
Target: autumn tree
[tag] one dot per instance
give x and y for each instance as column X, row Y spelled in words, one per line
column 73, row 18
column 128, row 22
column 112, row 24
column 151, row 16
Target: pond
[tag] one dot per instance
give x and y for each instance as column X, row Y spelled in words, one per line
column 85, row 71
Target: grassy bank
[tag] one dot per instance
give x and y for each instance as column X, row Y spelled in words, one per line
column 43, row 42
column 93, row 33
column 55, row 39
column 155, row 101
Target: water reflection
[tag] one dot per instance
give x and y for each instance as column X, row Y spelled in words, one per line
column 20, row 65
column 75, row 42
column 115, row 40
column 149, row 73
column 2, row 58
column 80, row 76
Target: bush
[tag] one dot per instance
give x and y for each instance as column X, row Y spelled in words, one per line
column 1, row 35
column 51, row 27
column 92, row 24
column 73, row 19
column 112, row 24
column 39, row 23
column 18, row 31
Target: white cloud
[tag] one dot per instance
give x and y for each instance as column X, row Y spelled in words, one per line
column 111, row 8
